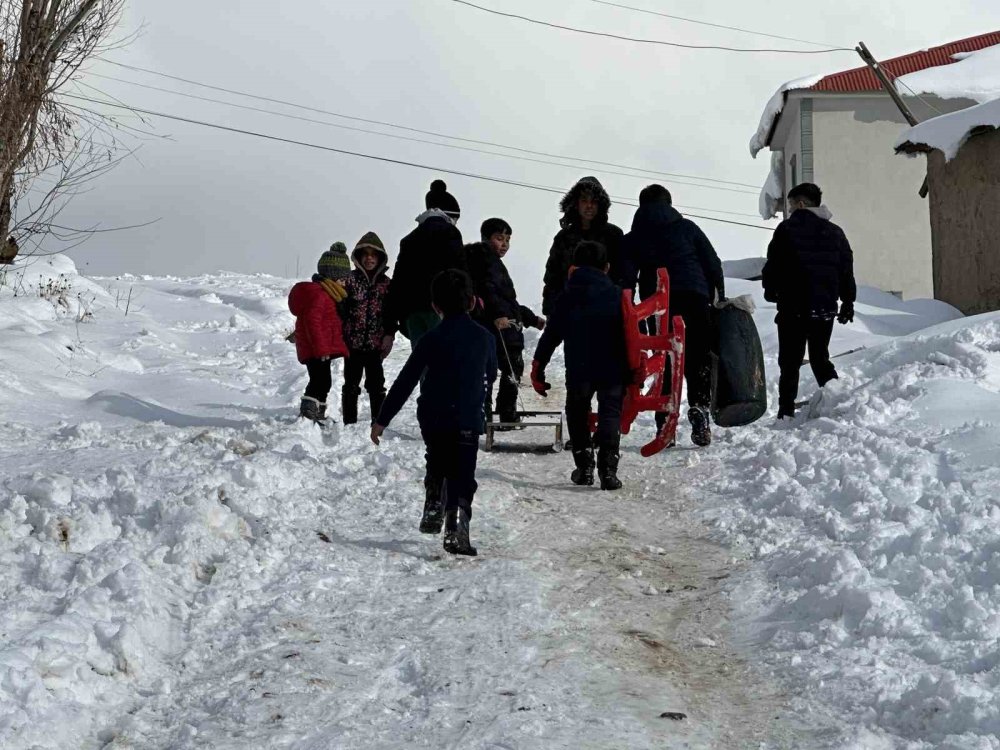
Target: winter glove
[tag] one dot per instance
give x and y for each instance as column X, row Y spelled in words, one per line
column 846, row 314
column 386, row 348
column 538, row 379
column 770, row 295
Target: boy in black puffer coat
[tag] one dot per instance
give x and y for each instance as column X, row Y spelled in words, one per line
column 662, row 238
column 809, row 269
column 501, row 313
column 588, row 321
column 364, row 327
column 585, row 217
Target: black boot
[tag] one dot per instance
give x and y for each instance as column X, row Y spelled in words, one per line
column 313, row 409
column 433, row 517
column 701, row 430
column 583, row 474
column 375, row 400
column 349, row 404
column 456, row 533
column 607, row 468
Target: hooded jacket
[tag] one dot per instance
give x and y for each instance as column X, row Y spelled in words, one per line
column 435, row 245
column 364, row 318
column 810, row 265
column 572, row 234
column 494, row 286
column 662, row 238
column 318, row 331
column 587, row 319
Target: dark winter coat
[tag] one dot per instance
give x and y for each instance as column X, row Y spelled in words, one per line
column 364, row 319
column 434, row 246
column 662, row 238
column 318, row 331
column 809, row 265
column 460, row 360
column 587, row 320
column 561, row 257
column 495, row 288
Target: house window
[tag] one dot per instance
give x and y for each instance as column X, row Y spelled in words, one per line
column 794, row 163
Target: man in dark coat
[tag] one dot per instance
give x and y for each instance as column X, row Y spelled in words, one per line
column 587, row 320
column 455, row 364
column 809, row 269
column 435, row 245
column 501, row 313
column 662, row 238
column 585, row 217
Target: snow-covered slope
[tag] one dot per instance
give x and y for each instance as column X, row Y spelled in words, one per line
column 183, row 565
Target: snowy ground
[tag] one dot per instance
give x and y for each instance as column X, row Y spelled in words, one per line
column 183, row 565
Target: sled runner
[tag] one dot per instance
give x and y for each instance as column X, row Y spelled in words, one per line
column 525, row 418
column 648, row 356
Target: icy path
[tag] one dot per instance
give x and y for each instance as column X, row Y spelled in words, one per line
column 182, row 567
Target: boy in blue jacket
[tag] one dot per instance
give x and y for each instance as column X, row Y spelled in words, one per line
column 455, row 364
column 587, row 319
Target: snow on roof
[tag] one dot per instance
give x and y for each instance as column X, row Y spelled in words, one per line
column 923, row 68
column 973, row 76
column 950, row 132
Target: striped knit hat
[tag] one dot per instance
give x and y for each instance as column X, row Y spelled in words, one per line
column 334, row 263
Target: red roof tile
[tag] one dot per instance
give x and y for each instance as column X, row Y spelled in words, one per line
column 862, row 79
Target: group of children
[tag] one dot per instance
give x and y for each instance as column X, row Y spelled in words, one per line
column 458, row 307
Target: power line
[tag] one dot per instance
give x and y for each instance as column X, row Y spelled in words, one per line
column 358, row 154
column 646, row 41
column 390, row 135
column 715, row 25
column 306, row 108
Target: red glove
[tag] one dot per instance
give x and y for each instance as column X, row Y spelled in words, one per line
column 538, row 379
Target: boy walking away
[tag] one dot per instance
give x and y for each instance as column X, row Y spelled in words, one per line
column 457, row 360
column 435, row 245
column 502, row 313
column 319, row 337
column 364, row 329
column 809, row 268
column 662, row 238
column 587, row 320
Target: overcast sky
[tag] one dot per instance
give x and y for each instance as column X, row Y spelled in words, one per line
column 233, row 202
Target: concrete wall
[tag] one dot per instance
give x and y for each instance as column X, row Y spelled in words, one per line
column 872, row 192
column 965, row 218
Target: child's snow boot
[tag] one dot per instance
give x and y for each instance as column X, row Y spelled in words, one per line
column 456, row 533
column 701, row 431
column 583, row 474
column 433, row 517
column 312, row 409
column 375, row 400
column 349, row 404
column 607, row 468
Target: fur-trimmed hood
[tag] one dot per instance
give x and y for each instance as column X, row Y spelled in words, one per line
column 568, row 204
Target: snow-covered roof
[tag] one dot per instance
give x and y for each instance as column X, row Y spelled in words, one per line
column 949, row 133
column 924, row 71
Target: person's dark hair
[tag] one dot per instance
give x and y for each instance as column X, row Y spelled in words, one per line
column 655, row 194
column 451, row 292
column 590, row 255
column 807, row 192
column 494, row 226
column 568, row 205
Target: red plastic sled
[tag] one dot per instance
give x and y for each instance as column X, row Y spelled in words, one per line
column 647, row 359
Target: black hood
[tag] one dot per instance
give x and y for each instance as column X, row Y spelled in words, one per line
column 654, row 216
column 571, row 217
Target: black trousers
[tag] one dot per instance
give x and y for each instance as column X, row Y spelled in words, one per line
column 609, row 415
column 451, row 464
column 696, row 313
column 320, row 379
column 510, row 374
column 367, row 365
column 795, row 334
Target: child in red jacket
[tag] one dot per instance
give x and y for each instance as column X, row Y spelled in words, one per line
column 318, row 335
